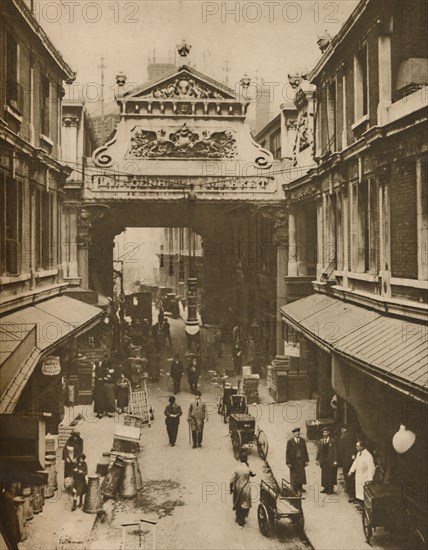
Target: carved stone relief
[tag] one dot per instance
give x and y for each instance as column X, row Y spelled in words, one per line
column 182, row 143
column 185, row 88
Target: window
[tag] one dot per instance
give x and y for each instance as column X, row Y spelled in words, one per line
column 43, row 218
column 331, row 116
column 361, row 98
column 275, row 144
column 366, row 261
column 11, row 225
column 14, row 95
column 45, row 105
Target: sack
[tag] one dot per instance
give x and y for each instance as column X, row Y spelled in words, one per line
column 68, row 482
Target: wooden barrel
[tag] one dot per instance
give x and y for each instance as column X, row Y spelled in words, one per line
column 137, row 474
column 49, row 488
column 19, row 506
column 28, row 504
column 112, row 481
column 128, row 487
column 37, row 492
column 53, row 474
column 93, row 498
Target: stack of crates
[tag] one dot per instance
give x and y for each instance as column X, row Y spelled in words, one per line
column 251, row 388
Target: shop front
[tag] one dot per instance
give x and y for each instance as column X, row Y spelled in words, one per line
column 39, row 353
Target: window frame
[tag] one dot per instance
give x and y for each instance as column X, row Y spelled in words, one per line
column 361, row 83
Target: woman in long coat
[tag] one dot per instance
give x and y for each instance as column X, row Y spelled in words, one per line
column 99, row 394
column 122, row 392
column 80, row 486
column 241, row 489
column 73, row 448
column 109, row 391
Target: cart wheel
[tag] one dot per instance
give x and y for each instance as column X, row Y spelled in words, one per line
column 264, row 520
column 220, row 406
column 416, row 540
column 236, row 443
column 367, row 526
column 262, row 444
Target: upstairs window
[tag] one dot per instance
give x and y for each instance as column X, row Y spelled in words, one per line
column 275, row 144
column 361, row 96
column 43, row 228
column 14, row 95
column 45, row 105
column 10, row 224
column 331, row 117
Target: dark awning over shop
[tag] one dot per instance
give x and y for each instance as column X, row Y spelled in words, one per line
column 32, row 332
column 394, row 347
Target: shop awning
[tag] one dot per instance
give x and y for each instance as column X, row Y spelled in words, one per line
column 394, row 347
column 32, row 332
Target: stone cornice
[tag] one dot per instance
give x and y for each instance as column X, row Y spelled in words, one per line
column 43, row 39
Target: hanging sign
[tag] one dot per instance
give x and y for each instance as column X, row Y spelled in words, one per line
column 51, row 366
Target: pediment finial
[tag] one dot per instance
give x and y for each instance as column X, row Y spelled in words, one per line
column 183, row 48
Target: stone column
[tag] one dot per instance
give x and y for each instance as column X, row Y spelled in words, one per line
column 302, row 268
column 385, row 75
column 382, row 176
column 281, row 243
column 292, row 244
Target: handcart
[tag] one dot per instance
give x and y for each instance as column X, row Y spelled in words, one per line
column 278, row 504
column 243, row 434
column 383, row 507
column 231, row 401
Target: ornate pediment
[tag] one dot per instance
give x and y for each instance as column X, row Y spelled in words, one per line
column 182, row 142
column 186, row 84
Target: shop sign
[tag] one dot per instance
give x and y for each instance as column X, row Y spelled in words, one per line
column 291, row 350
column 51, row 366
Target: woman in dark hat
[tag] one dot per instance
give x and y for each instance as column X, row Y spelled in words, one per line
column 122, row 392
column 172, row 420
column 80, row 472
column 241, row 489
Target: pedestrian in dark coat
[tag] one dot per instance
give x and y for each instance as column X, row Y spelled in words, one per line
column 80, row 486
column 193, row 375
column 99, row 394
column 123, row 386
column 237, row 359
column 177, row 370
column 109, row 391
column 297, row 458
column 197, row 416
column 166, row 331
column 8, row 517
column 346, row 454
column 172, row 420
column 327, row 460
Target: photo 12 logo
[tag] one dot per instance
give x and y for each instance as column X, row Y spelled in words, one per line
column 70, row 11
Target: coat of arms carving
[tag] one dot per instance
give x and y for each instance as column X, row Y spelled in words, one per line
column 182, row 143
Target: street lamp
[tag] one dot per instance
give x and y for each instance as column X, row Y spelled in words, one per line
column 192, row 321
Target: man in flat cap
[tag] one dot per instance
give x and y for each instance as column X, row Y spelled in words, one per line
column 297, row 458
